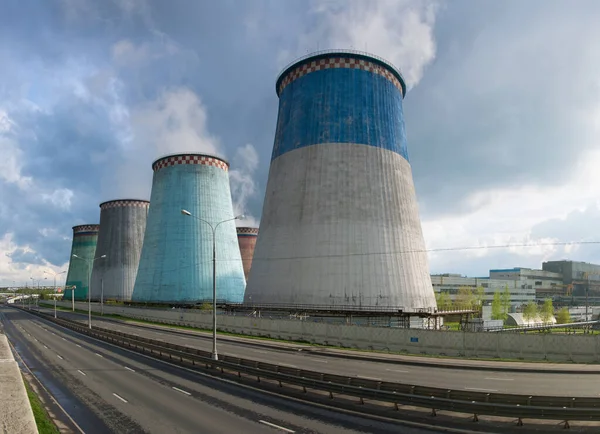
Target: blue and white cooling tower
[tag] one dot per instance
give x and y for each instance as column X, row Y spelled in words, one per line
column 176, row 262
column 340, row 224
column 122, row 227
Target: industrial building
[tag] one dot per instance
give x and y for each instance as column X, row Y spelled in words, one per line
column 579, row 278
column 122, row 227
column 520, row 293
column 176, row 264
column 340, row 225
column 83, row 249
column 247, row 241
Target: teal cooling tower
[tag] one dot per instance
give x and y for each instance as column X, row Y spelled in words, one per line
column 85, row 238
column 176, row 260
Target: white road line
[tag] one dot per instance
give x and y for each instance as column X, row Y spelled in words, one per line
column 78, row 345
column 397, row 370
column 81, row 372
column 320, row 361
column 99, row 355
column 63, row 339
column 122, row 399
column 45, row 347
column 129, row 369
column 368, row 378
column 483, row 390
column 60, row 357
column 35, row 339
column 289, row 366
column 272, row 425
column 182, row 391
column 28, row 334
column 500, row 379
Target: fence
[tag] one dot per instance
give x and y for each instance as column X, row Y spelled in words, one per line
column 531, row 347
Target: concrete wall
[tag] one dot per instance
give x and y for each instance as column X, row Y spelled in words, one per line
column 16, row 416
column 550, row 347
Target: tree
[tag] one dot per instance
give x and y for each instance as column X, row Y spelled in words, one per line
column 443, row 301
column 479, row 297
column 497, row 310
column 547, row 311
column 465, row 298
column 505, row 301
column 563, row 316
column 530, row 312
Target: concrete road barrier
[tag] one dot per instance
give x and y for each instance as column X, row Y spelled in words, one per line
column 16, row 416
column 528, row 347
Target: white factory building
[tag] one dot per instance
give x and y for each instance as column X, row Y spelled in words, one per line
column 523, row 284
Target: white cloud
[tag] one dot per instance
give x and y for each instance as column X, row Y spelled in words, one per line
column 21, row 274
column 12, row 157
column 511, row 216
column 60, row 198
column 243, row 185
column 399, row 30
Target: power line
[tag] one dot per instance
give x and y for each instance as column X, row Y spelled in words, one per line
column 441, row 249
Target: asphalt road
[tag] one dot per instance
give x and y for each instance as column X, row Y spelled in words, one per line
column 106, row 388
column 530, row 383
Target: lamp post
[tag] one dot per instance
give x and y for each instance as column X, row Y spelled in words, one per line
column 214, row 312
column 30, row 293
column 54, row 295
column 89, row 263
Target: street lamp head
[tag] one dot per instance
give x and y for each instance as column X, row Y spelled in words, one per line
column 103, row 256
column 241, row 216
column 75, row 256
column 186, row 212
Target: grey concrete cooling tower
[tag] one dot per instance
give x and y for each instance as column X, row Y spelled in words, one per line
column 340, row 225
column 122, row 226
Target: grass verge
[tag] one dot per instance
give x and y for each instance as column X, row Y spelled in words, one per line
column 42, row 419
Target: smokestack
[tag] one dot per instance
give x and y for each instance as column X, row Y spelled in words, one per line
column 176, row 261
column 122, row 226
column 247, row 241
column 83, row 250
column 340, row 225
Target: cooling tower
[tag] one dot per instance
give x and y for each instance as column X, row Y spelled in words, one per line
column 122, row 226
column 340, row 224
column 247, row 241
column 85, row 238
column 176, row 262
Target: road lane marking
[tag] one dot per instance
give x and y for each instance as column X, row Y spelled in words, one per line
column 129, row 369
column 63, row 339
column 272, row 425
column 81, row 372
column 320, row 361
column 368, row 378
column 182, row 391
column 45, row 347
column 289, row 366
column 60, row 357
column 35, row 339
column 500, row 379
column 397, row 370
column 99, row 355
column 482, row 390
column 122, row 399
column 78, row 345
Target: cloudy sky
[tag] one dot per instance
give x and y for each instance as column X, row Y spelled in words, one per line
column 503, row 112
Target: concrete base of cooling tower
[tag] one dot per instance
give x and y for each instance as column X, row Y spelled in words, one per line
column 340, row 227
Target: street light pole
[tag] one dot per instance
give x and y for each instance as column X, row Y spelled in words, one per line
column 54, row 291
column 214, row 260
column 89, row 263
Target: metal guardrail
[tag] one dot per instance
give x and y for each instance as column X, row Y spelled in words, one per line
column 476, row 403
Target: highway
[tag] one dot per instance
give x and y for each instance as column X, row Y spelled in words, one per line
column 105, row 388
column 526, row 383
